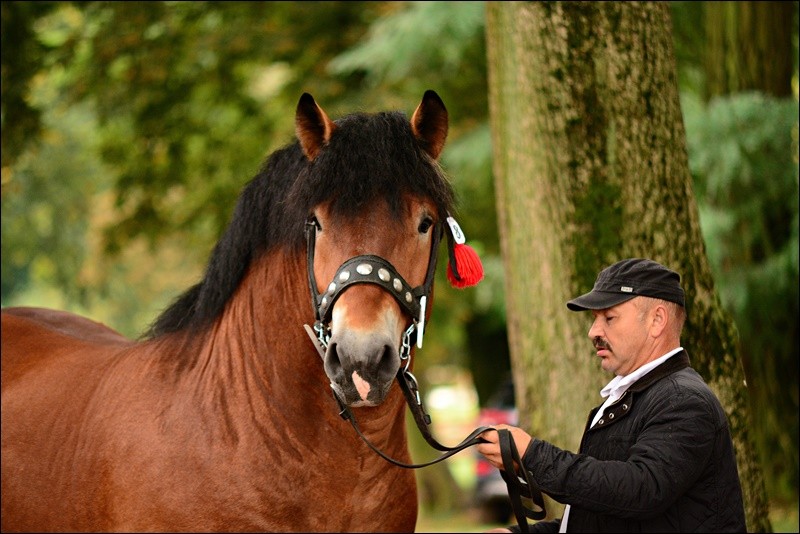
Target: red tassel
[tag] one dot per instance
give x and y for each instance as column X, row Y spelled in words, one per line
column 468, row 265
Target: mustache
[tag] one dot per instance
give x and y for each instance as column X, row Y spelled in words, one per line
column 600, row 343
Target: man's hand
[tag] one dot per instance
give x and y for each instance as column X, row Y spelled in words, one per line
column 491, row 450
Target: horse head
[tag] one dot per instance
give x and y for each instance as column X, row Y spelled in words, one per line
column 376, row 211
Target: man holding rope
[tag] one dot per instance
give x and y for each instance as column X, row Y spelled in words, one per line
column 657, row 455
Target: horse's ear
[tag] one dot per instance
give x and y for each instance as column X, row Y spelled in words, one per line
column 429, row 123
column 312, row 126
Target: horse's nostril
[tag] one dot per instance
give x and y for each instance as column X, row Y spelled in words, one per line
column 387, row 362
column 333, row 365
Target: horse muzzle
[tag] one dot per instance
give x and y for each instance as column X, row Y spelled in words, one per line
column 361, row 366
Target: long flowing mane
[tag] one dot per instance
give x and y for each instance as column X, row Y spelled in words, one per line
column 371, row 157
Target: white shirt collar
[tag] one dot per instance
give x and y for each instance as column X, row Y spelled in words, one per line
column 620, row 384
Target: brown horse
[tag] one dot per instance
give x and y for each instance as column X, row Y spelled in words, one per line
column 223, row 417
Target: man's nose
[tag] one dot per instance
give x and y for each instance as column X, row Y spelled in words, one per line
column 595, row 329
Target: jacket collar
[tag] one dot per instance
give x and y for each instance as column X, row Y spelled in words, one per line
column 679, row 361
column 623, row 405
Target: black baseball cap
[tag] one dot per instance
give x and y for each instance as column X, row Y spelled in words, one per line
column 626, row 279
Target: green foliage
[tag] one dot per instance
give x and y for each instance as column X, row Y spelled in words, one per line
column 440, row 29
column 744, row 160
column 188, row 95
column 45, row 206
column 22, row 57
column 743, row 156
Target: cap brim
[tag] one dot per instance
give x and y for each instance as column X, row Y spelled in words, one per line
column 598, row 300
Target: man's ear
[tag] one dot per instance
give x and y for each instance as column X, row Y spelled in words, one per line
column 659, row 320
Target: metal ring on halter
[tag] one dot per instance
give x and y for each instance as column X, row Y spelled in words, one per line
column 405, row 346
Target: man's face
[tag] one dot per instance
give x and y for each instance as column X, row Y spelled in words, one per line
column 620, row 336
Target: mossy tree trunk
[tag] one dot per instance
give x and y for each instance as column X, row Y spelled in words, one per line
column 591, row 167
column 749, row 47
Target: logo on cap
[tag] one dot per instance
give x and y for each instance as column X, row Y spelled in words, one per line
column 626, row 289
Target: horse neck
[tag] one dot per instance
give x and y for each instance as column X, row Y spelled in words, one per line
column 260, row 334
column 258, row 350
column 278, row 289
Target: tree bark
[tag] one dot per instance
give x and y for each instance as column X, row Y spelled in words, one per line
column 749, row 47
column 591, row 167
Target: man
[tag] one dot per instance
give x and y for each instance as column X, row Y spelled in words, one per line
column 657, row 455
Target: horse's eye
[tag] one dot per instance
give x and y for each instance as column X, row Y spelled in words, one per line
column 425, row 225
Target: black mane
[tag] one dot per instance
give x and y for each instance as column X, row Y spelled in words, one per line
column 369, row 157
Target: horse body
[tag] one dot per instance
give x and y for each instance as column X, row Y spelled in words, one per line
column 223, row 418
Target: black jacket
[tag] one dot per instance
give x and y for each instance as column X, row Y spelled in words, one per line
column 661, row 459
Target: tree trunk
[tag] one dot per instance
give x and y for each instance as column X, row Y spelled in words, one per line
column 590, row 167
column 749, row 47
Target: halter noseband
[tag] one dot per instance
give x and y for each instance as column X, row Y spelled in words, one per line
column 370, row 269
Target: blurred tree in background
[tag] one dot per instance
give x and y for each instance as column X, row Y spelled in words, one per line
column 741, row 113
column 128, row 130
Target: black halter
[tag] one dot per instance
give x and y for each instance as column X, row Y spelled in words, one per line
column 370, row 269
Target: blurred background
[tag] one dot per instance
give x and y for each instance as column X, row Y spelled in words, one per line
column 129, row 128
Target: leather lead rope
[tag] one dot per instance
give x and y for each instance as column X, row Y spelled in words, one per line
column 525, row 496
column 519, row 486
